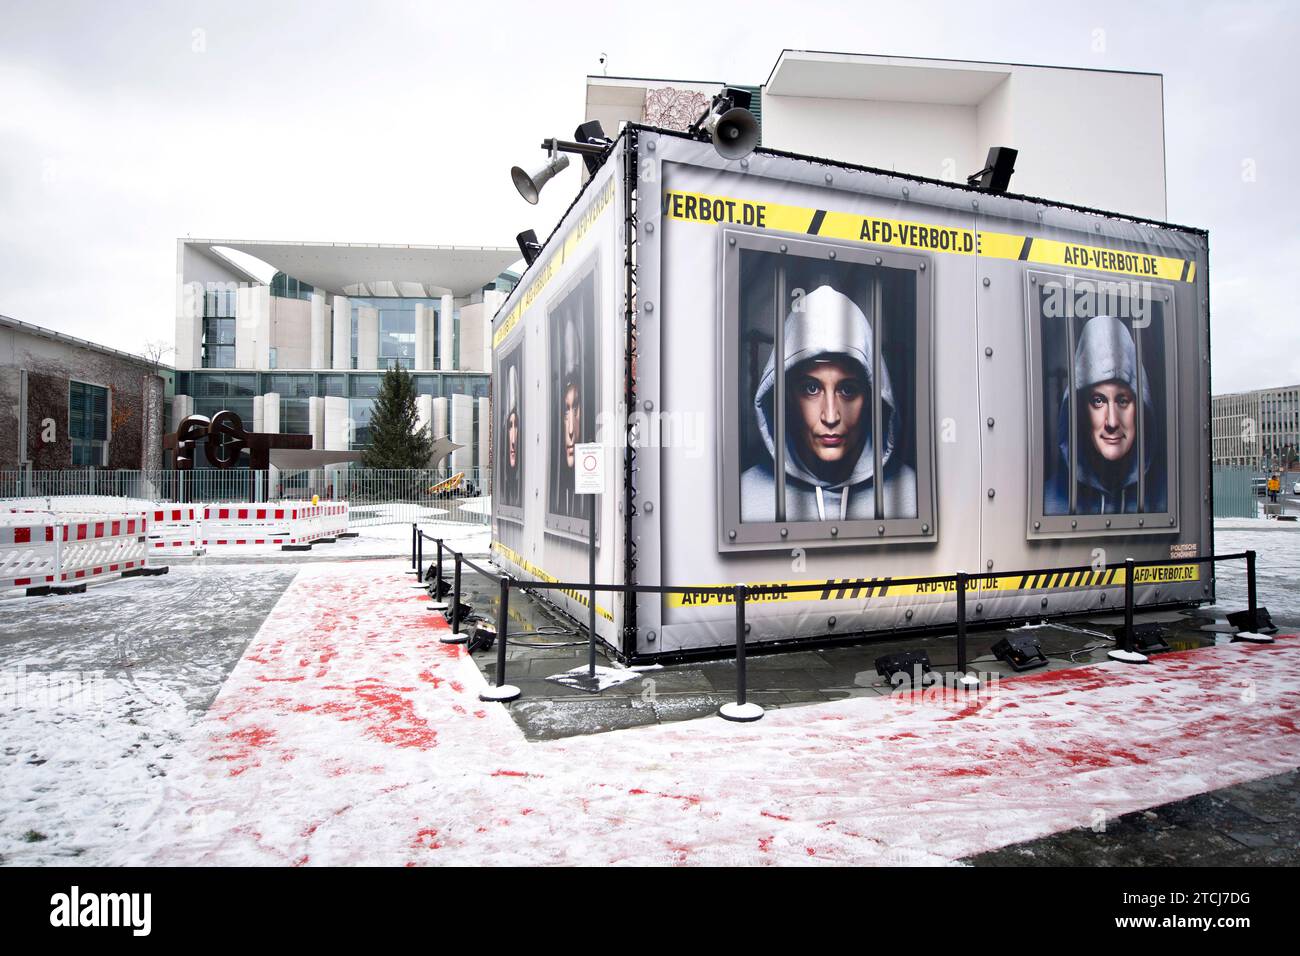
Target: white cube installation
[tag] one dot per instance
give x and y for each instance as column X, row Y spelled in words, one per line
column 806, row 372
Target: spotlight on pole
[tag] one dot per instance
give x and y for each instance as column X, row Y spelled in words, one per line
column 530, row 184
column 529, row 247
column 995, row 177
column 729, row 124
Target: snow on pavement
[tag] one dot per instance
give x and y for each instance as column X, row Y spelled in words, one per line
column 348, row 735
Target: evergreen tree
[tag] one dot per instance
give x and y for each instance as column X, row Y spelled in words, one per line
column 396, row 440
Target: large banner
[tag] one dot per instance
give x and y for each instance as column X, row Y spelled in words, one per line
column 858, row 378
column 558, row 347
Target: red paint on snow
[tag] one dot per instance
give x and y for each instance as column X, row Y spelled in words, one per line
column 385, row 735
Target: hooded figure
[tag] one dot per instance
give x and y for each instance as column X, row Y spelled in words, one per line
column 829, row 451
column 513, row 444
column 570, row 412
column 1106, row 394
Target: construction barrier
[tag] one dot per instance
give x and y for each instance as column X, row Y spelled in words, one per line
column 175, row 528
column 45, row 550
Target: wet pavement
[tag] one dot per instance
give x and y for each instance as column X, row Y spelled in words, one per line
column 186, row 629
column 543, row 643
column 1252, row 824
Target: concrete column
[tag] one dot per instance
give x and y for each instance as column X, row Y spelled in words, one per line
column 462, row 432
column 189, row 324
column 259, row 420
column 446, row 333
column 320, row 343
column 182, row 408
column 342, row 327
column 424, row 412
column 423, row 337
column 367, row 337
column 253, row 327
column 441, row 419
column 338, row 427
column 270, row 412
column 316, row 420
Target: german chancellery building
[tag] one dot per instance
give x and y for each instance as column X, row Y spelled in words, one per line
column 295, row 336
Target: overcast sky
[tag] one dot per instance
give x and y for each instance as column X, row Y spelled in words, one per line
column 126, row 125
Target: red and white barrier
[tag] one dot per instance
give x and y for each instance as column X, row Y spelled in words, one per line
column 49, row 550
column 177, row 527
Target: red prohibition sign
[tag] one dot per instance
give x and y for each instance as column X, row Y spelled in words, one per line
column 589, row 463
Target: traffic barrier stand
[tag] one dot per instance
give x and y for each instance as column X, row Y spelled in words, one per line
column 176, row 529
column 60, row 554
column 294, row 527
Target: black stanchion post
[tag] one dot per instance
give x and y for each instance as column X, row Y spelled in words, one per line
column 961, row 621
column 502, row 691
column 1250, row 590
column 741, row 710
column 1125, row 652
column 964, row 679
column 413, row 532
column 1128, row 604
column 455, row 596
column 419, row 557
column 591, row 594
column 439, row 575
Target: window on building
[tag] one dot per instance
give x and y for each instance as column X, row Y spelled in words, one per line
column 295, row 415
column 1103, row 385
column 360, row 411
column 88, row 423
column 287, row 287
column 221, row 384
column 825, row 378
column 290, row 386
column 396, row 329
column 218, row 346
column 397, row 335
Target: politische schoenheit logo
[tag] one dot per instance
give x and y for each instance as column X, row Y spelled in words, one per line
column 102, row 909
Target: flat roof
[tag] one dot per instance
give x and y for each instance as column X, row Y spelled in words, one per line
column 907, row 79
column 41, row 332
column 362, row 268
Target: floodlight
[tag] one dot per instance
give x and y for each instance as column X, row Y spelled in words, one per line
column 995, row 177
column 529, row 247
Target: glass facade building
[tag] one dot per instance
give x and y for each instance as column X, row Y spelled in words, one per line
column 304, row 351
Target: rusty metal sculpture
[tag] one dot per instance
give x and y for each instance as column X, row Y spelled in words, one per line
column 224, row 440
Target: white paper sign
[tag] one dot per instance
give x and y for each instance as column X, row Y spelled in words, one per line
column 588, row 468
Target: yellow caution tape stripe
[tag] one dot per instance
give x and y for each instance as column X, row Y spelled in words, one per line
column 858, row 589
column 921, row 236
column 522, row 563
column 564, row 251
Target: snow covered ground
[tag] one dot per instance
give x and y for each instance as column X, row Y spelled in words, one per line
column 375, row 541
column 345, row 733
column 1277, row 566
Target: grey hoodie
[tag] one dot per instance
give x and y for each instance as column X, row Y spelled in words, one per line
column 1105, row 352
column 829, row 323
